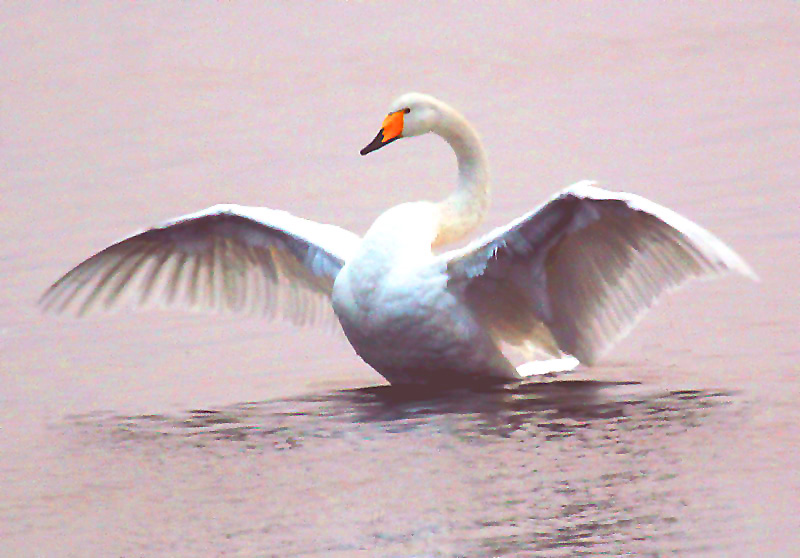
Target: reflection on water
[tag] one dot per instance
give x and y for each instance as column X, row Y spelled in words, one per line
column 549, row 409
column 562, row 468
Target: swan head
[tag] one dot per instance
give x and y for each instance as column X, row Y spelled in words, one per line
column 412, row 114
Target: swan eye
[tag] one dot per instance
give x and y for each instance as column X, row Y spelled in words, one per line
column 406, row 110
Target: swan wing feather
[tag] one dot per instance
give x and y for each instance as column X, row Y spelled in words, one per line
column 227, row 257
column 575, row 274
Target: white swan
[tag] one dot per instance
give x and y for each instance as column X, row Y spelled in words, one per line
column 562, row 283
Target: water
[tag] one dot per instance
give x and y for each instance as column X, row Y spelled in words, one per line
column 166, row 434
column 567, row 468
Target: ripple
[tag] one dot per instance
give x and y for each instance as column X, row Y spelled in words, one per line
column 558, row 468
column 550, row 410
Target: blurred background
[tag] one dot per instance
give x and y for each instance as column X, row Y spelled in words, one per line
column 115, row 116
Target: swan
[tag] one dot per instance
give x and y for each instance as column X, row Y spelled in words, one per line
column 562, row 283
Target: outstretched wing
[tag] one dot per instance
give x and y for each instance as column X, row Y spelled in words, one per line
column 226, row 257
column 575, row 274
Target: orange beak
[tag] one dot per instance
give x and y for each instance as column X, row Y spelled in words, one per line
column 391, row 129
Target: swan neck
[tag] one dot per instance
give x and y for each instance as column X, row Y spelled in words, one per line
column 466, row 206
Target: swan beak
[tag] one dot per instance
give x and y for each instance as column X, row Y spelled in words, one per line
column 391, row 129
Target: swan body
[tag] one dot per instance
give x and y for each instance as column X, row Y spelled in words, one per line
column 561, row 284
column 393, row 302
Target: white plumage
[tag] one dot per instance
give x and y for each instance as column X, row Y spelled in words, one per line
column 562, row 283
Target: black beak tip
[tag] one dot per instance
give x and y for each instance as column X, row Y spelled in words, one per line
column 375, row 144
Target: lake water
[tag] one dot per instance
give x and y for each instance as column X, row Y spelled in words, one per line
column 171, row 434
